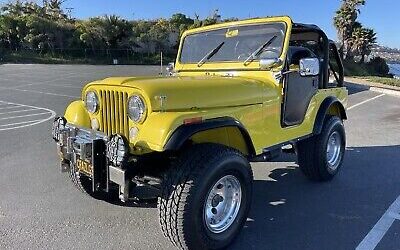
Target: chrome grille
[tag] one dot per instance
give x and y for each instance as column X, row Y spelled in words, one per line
column 114, row 117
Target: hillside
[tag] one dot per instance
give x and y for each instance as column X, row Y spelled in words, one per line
column 389, row 54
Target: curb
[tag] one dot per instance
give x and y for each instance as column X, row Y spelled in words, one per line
column 385, row 91
column 393, row 91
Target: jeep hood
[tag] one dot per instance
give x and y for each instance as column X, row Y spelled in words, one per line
column 183, row 93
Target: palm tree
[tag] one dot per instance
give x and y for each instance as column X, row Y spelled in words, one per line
column 362, row 40
column 344, row 21
column 54, row 9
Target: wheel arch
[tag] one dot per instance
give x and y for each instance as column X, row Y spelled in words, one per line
column 225, row 130
column 76, row 114
column 330, row 106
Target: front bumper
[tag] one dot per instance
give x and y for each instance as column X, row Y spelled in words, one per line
column 76, row 145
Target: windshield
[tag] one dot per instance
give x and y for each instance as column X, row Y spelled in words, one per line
column 239, row 43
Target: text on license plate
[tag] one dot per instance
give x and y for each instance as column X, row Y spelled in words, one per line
column 84, row 167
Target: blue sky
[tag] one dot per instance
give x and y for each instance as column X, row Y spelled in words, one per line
column 382, row 15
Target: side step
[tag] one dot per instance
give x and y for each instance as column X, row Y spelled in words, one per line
column 289, row 149
column 274, row 152
column 268, row 155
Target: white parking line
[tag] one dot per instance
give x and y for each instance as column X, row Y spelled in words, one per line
column 19, row 123
column 26, row 122
column 40, row 92
column 9, row 107
column 29, row 83
column 18, row 111
column 47, row 93
column 22, row 116
column 3, row 104
column 363, row 102
column 381, row 227
column 53, row 85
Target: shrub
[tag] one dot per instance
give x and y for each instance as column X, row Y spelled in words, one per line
column 378, row 67
column 352, row 68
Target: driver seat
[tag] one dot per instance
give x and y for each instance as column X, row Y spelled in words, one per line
column 296, row 53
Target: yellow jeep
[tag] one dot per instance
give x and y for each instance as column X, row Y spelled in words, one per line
column 239, row 92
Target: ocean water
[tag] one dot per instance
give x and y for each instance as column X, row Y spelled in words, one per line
column 395, row 69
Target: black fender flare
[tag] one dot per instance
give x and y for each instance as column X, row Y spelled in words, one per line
column 323, row 111
column 184, row 132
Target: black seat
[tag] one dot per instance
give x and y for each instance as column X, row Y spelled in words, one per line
column 297, row 53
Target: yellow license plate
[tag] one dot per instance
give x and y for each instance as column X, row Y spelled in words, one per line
column 84, row 167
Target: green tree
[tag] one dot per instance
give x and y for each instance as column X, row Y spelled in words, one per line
column 13, row 22
column 362, row 41
column 53, row 9
column 91, row 33
column 12, row 30
column 140, row 37
column 115, row 30
column 180, row 22
column 109, row 32
column 159, row 33
column 25, row 23
column 378, row 66
column 214, row 18
column 344, row 21
column 46, row 34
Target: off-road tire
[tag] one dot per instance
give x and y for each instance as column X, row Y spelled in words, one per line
column 81, row 182
column 84, row 185
column 184, row 190
column 312, row 156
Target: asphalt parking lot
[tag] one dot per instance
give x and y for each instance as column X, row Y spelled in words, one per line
column 40, row 208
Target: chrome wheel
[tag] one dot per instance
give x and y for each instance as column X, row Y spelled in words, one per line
column 222, row 204
column 333, row 150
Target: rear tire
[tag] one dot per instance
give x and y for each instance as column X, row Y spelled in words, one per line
column 321, row 156
column 201, row 206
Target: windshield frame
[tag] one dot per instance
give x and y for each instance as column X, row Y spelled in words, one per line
column 234, row 65
column 234, row 27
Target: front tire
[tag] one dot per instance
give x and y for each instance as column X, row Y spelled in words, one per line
column 84, row 185
column 206, row 197
column 321, row 156
column 81, row 182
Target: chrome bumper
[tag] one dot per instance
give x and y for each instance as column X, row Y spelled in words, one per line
column 75, row 142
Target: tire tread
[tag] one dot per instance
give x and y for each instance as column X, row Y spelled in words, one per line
column 176, row 190
column 310, row 154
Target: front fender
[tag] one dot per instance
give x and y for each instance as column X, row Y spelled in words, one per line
column 187, row 132
column 166, row 131
column 76, row 114
column 157, row 128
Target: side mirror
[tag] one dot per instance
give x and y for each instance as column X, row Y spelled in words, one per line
column 170, row 68
column 309, row 67
column 270, row 63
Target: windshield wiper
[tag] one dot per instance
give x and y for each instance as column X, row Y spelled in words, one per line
column 210, row 54
column 258, row 51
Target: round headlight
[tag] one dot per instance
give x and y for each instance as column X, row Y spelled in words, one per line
column 92, row 102
column 136, row 108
